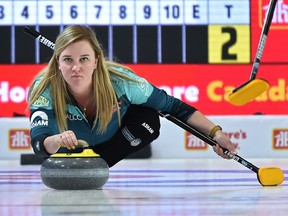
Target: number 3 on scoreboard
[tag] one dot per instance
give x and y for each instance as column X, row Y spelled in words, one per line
column 229, row 44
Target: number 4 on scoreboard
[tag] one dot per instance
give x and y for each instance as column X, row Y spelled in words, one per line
column 25, row 12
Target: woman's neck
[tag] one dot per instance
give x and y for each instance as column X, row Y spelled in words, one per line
column 82, row 95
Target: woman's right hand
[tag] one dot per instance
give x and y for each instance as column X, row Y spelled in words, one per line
column 67, row 139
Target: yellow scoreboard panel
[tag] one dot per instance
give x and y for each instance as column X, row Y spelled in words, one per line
column 229, row 44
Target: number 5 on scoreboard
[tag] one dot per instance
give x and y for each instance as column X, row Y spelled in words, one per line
column 229, row 44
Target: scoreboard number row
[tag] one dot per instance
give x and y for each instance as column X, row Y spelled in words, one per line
column 120, row 12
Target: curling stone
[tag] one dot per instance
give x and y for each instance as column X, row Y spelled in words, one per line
column 75, row 171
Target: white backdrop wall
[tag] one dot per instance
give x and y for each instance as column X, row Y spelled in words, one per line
column 253, row 136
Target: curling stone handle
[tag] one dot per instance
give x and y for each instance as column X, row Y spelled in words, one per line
column 83, row 143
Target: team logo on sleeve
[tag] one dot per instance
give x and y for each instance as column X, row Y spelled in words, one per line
column 38, row 118
column 41, row 102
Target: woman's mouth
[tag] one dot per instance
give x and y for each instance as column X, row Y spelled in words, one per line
column 76, row 76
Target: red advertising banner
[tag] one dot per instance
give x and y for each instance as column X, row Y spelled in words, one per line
column 204, row 86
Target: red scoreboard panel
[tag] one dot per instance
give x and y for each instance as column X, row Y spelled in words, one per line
column 276, row 46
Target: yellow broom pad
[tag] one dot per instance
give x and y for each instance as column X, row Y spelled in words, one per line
column 248, row 92
column 270, row 176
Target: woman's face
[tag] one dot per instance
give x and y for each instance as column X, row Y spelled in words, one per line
column 77, row 63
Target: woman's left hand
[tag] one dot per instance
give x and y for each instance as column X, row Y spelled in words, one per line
column 223, row 143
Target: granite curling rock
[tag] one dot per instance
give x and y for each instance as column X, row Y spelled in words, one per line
column 75, row 171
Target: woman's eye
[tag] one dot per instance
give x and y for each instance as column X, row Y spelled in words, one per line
column 84, row 59
column 67, row 60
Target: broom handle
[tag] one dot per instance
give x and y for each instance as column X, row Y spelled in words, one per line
column 263, row 38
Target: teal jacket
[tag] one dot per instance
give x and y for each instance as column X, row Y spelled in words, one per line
column 43, row 121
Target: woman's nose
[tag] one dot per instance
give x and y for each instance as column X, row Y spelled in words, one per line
column 76, row 67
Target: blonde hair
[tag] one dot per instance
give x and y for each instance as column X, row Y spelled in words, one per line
column 104, row 96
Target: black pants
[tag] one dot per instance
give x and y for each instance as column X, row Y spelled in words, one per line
column 140, row 126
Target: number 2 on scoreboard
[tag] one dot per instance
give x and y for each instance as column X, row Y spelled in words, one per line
column 229, row 44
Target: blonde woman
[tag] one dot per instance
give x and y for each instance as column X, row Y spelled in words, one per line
column 81, row 95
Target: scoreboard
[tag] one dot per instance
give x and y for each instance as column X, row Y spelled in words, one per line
column 146, row 31
column 135, row 31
